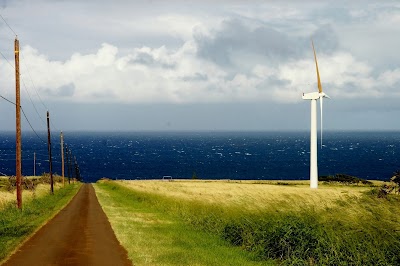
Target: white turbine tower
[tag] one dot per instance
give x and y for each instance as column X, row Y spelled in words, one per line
column 314, row 96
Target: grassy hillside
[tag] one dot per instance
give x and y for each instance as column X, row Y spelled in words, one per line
column 287, row 223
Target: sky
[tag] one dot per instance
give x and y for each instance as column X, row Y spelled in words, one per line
column 201, row 65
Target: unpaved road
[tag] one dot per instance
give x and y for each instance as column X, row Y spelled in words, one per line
column 79, row 235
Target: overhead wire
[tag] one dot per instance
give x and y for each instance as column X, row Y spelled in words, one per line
column 8, row 25
column 30, row 98
column 7, row 99
column 29, row 75
column 33, row 85
column 7, row 60
column 23, row 112
column 31, row 125
column 25, row 87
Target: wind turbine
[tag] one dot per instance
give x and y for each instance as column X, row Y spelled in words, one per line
column 313, row 97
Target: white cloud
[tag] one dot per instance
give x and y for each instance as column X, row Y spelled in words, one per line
column 149, row 75
column 254, row 54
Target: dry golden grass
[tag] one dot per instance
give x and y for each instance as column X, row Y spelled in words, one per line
column 6, row 197
column 251, row 195
column 40, row 190
column 348, row 224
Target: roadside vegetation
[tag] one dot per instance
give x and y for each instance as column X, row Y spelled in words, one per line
column 280, row 224
column 38, row 207
column 32, row 186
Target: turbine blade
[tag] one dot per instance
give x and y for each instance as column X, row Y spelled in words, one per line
column 321, row 99
column 316, row 65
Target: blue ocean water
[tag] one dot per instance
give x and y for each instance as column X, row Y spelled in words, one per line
column 211, row 155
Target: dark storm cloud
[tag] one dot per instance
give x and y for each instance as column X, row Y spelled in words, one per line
column 326, row 39
column 66, row 90
column 5, row 3
column 196, row 77
column 143, row 59
column 148, row 60
column 235, row 37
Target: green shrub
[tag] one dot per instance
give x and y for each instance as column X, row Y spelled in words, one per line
column 233, row 233
column 343, row 178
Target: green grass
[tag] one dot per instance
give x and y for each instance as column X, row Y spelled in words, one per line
column 154, row 237
column 16, row 225
column 357, row 228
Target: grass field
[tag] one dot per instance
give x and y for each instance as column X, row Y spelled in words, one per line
column 17, row 225
column 251, row 195
column 288, row 223
column 154, row 237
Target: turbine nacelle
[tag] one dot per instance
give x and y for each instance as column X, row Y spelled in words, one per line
column 314, row 95
column 311, row 96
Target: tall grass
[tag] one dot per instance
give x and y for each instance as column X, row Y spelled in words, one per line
column 16, row 225
column 154, row 237
column 341, row 225
column 7, row 197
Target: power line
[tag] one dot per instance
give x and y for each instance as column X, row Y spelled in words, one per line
column 8, row 25
column 30, row 98
column 7, row 100
column 23, row 112
column 7, row 60
column 37, row 93
column 29, row 75
column 31, row 126
column 26, row 89
column 33, row 84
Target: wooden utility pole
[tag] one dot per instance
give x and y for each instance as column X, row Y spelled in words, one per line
column 62, row 157
column 67, row 153
column 76, row 176
column 49, row 148
column 18, row 170
column 76, row 169
column 34, row 164
column 70, row 165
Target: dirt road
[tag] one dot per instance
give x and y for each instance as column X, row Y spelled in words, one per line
column 79, row 235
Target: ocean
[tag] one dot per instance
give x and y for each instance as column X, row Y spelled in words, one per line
column 208, row 155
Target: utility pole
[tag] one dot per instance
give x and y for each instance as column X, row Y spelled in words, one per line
column 49, row 148
column 18, row 170
column 70, row 165
column 76, row 168
column 67, row 153
column 62, row 157
column 34, row 164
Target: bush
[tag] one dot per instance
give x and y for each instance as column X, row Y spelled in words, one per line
column 396, row 179
column 343, row 178
column 233, row 233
